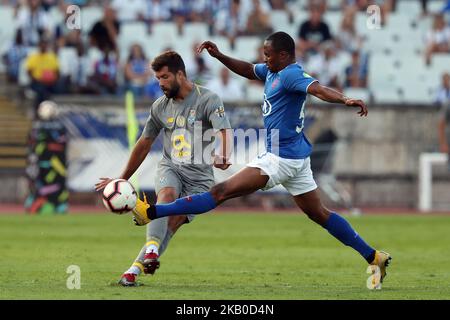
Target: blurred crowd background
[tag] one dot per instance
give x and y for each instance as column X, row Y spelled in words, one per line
column 110, row 53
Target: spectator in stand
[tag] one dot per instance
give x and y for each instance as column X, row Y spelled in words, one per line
column 156, row 11
column 231, row 22
column 137, row 71
column 34, row 22
column 187, row 11
column 258, row 21
column 129, row 10
column 202, row 74
column 437, row 39
column 226, row 87
column 443, row 93
column 104, row 33
column 347, row 39
column 43, row 69
column 78, row 76
column 312, row 33
column 104, row 79
column 14, row 57
column 356, row 73
column 325, row 67
column 213, row 7
column 282, row 6
column 195, row 62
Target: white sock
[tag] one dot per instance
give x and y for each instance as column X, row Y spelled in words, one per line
column 152, row 246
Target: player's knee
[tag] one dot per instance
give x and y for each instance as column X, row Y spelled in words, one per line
column 319, row 215
column 167, row 195
column 219, row 192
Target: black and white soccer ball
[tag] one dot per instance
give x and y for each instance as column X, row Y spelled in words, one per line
column 119, row 196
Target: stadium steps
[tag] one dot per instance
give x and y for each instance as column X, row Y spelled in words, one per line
column 14, row 130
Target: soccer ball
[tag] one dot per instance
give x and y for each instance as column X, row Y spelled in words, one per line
column 47, row 110
column 119, row 196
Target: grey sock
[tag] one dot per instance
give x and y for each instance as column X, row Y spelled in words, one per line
column 165, row 242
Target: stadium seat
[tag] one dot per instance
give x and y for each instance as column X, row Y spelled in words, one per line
column 412, row 8
column 386, row 95
column 196, row 31
column 279, row 20
column 56, row 15
column 361, row 24
column 90, row 16
column 440, row 62
column 131, row 33
column 383, row 78
column 358, row 93
column 333, row 19
column 7, row 30
column 414, row 92
column 411, row 42
column 400, row 20
column 165, row 31
column 378, row 40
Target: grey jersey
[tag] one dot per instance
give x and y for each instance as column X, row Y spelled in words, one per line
column 188, row 127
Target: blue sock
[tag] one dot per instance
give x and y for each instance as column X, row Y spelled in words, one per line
column 196, row 204
column 339, row 228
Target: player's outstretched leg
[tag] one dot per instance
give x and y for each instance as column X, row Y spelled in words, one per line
column 246, row 181
column 338, row 227
column 147, row 260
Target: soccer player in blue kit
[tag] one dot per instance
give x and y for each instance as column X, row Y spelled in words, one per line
column 288, row 162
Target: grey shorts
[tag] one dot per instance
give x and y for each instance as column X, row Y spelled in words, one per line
column 169, row 177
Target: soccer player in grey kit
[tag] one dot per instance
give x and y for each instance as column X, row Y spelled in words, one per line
column 182, row 109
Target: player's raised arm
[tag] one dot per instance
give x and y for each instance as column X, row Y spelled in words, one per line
column 331, row 95
column 242, row 68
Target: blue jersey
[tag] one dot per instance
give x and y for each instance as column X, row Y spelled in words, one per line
column 284, row 109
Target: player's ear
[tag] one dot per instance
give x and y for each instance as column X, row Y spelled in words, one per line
column 179, row 75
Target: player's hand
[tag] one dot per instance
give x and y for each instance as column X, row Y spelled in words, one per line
column 210, row 47
column 358, row 104
column 102, row 184
column 221, row 162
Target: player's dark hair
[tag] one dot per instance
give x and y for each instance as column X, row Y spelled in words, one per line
column 281, row 41
column 172, row 60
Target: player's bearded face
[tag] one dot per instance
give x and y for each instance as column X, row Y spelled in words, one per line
column 172, row 89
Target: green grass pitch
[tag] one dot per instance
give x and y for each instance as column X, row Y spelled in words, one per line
column 223, row 256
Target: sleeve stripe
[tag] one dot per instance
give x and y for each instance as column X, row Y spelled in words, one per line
column 315, row 80
column 254, row 71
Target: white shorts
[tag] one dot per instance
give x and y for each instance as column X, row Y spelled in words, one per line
column 293, row 174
